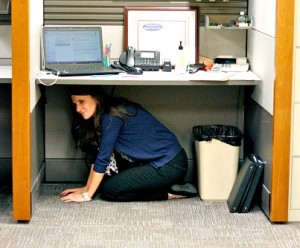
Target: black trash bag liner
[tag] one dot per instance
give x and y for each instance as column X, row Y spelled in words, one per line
column 228, row 134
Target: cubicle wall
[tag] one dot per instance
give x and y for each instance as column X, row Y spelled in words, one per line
column 258, row 139
column 179, row 108
column 259, row 119
column 294, row 202
column 5, row 108
column 111, row 12
column 259, row 123
column 5, row 134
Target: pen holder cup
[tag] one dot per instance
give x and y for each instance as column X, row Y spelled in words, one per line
column 107, row 60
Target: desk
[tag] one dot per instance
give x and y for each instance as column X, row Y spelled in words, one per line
column 158, row 78
column 5, row 123
column 214, row 98
column 5, row 74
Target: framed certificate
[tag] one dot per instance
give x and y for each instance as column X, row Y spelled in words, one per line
column 162, row 29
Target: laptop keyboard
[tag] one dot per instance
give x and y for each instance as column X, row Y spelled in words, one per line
column 82, row 68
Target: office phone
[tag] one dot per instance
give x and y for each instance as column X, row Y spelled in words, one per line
column 146, row 60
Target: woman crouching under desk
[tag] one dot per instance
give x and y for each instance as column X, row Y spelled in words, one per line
column 111, row 127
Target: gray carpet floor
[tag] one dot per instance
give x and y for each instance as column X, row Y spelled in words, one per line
column 177, row 223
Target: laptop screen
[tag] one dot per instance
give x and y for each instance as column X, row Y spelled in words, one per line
column 72, row 45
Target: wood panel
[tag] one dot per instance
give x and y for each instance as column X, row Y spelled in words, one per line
column 282, row 110
column 21, row 110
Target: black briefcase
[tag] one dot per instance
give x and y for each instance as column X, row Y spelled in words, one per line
column 242, row 194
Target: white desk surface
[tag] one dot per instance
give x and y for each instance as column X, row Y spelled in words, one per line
column 5, row 74
column 157, row 78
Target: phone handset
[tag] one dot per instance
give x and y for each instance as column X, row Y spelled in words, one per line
column 127, row 57
column 130, row 56
column 127, row 62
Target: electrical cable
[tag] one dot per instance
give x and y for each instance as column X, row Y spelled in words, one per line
column 43, row 73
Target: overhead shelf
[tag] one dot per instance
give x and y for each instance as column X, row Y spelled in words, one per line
column 225, row 22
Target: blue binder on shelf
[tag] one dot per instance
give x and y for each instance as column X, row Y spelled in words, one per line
column 243, row 191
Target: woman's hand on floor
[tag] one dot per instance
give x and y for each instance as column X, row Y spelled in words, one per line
column 73, row 197
column 74, row 190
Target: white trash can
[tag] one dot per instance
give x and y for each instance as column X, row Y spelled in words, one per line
column 217, row 162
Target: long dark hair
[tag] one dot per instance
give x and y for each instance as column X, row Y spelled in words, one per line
column 87, row 133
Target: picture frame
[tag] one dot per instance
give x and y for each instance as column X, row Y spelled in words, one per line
column 161, row 29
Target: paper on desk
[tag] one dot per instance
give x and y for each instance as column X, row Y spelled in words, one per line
column 210, row 76
column 249, row 75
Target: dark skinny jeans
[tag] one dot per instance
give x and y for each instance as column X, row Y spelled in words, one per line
column 144, row 182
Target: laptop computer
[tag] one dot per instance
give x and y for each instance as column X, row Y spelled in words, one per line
column 73, row 51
